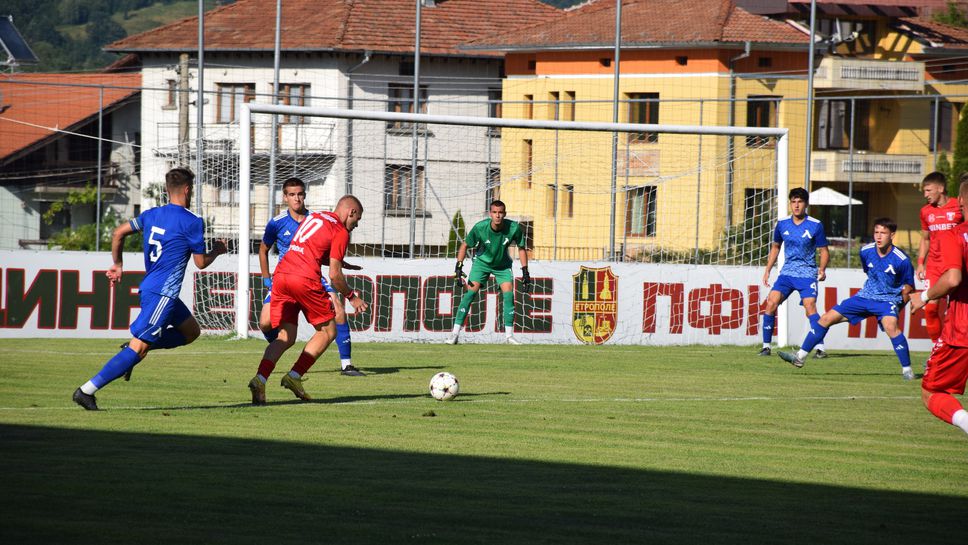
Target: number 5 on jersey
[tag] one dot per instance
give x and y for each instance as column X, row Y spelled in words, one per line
column 156, row 249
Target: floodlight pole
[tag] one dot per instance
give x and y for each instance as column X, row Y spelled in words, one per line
column 275, row 118
column 413, row 136
column 100, row 136
column 810, row 69
column 618, row 49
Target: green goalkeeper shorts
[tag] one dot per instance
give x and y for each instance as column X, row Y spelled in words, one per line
column 480, row 272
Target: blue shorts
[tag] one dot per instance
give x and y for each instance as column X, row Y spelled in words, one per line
column 158, row 312
column 326, row 287
column 806, row 287
column 856, row 309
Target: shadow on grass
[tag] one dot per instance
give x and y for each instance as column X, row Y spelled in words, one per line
column 379, row 370
column 321, row 401
column 73, row 486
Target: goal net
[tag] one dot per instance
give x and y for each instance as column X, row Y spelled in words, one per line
column 596, row 201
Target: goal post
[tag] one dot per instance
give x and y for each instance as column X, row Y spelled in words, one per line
column 572, row 156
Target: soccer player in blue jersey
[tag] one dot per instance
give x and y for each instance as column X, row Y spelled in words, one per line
column 890, row 281
column 171, row 234
column 279, row 232
column 801, row 237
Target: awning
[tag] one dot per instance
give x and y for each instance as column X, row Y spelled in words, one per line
column 828, row 197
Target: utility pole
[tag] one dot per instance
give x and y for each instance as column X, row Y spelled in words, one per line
column 183, row 144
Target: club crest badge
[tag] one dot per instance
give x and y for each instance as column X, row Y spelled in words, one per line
column 595, row 304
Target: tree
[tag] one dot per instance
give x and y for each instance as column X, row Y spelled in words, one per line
column 84, row 238
column 944, row 167
column 959, row 160
column 952, row 16
column 457, row 234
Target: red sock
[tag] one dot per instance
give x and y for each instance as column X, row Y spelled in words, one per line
column 266, row 367
column 303, row 364
column 944, row 406
column 932, row 321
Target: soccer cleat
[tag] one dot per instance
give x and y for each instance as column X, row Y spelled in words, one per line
column 84, row 400
column 295, row 386
column 351, row 371
column 451, row 340
column 258, row 389
column 790, row 358
column 820, row 354
column 907, row 373
column 765, row 351
column 511, row 340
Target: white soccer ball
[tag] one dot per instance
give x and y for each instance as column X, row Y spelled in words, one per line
column 444, row 386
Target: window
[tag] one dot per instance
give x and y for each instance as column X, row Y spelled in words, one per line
column 529, row 106
column 569, row 198
column 761, row 111
column 171, row 94
column 401, row 101
column 643, row 108
column 294, row 94
column 495, row 109
column 528, row 160
column 229, row 100
column 551, row 200
column 942, row 127
column 863, row 34
column 493, row 192
column 758, row 203
column 640, row 212
column 568, row 107
column 833, row 124
column 398, row 186
column 554, row 105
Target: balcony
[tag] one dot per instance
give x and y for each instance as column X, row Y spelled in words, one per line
column 836, row 166
column 316, row 137
column 862, row 74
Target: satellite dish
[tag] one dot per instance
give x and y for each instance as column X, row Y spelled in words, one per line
column 13, row 44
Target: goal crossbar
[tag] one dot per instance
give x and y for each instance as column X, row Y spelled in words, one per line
column 245, row 161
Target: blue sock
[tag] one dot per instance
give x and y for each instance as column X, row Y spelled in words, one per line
column 271, row 335
column 115, row 367
column 343, row 341
column 171, row 338
column 900, row 345
column 815, row 336
column 769, row 321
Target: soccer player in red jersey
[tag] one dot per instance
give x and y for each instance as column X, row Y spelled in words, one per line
column 321, row 240
column 946, row 370
column 941, row 213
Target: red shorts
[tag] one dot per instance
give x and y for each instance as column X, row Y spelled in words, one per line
column 946, row 369
column 291, row 294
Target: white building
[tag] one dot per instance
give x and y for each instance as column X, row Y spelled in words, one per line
column 335, row 53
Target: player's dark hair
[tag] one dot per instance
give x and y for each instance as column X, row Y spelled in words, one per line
column 497, row 203
column 936, row 178
column 886, row 223
column 799, row 193
column 290, row 182
column 178, row 177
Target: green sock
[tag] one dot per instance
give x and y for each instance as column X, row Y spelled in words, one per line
column 508, row 297
column 465, row 304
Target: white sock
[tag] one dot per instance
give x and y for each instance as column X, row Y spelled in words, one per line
column 345, row 363
column 766, row 345
column 802, row 354
column 508, row 332
column 89, row 388
column 261, row 378
column 295, row 375
column 456, row 330
column 819, row 348
column 960, row 419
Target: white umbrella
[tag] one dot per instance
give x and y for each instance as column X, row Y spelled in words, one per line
column 828, row 197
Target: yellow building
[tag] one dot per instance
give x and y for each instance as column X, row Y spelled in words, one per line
column 715, row 63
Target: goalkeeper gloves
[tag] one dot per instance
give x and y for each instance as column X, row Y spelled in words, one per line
column 525, row 280
column 267, row 282
column 459, row 272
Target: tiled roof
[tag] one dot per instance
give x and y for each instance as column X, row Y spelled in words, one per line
column 30, row 107
column 934, row 34
column 647, row 23
column 308, row 25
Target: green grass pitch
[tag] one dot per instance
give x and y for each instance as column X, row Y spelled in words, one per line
column 545, row 444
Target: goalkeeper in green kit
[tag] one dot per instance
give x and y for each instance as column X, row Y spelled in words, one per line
column 491, row 239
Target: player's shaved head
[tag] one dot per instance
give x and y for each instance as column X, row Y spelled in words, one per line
column 498, row 203
column 936, row 178
column 178, row 177
column 349, row 201
column 963, row 189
